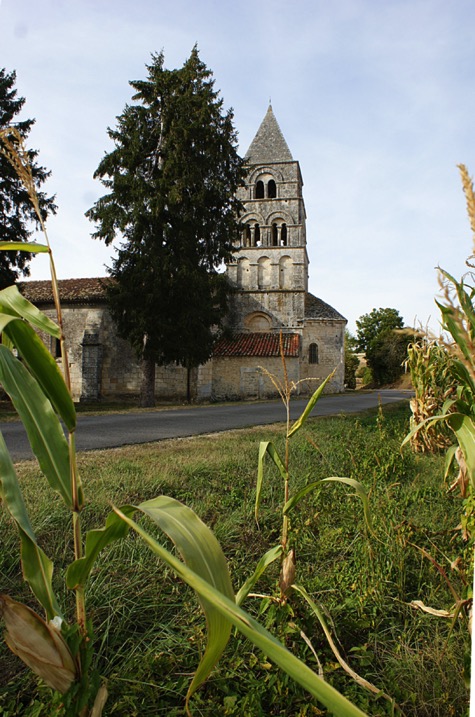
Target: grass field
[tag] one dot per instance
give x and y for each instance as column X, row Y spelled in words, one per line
column 150, row 630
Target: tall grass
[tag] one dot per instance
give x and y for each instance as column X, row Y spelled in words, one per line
column 368, row 587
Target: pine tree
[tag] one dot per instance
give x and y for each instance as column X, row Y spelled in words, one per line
column 17, row 216
column 171, row 180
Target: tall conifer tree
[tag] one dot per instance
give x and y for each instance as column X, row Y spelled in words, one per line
column 171, row 180
column 17, row 215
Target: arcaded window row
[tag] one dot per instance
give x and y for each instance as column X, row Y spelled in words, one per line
column 253, row 236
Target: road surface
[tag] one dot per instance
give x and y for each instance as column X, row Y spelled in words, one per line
column 111, row 431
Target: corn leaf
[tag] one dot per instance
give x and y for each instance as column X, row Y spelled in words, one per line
column 202, row 553
column 300, row 494
column 266, row 447
column 12, row 302
column 310, row 406
column 464, row 428
column 449, row 459
column 199, row 549
column 44, row 368
column 298, row 670
column 268, row 558
column 319, row 614
column 6, row 319
column 37, row 567
column 96, row 540
column 463, row 376
column 431, row 420
column 360, row 492
column 31, row 247
column 40, row 421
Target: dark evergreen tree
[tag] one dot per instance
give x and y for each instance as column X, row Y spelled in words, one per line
column 171, row 180
column 17, row 216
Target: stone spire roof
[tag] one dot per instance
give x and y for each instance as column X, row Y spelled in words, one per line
column 269, row 144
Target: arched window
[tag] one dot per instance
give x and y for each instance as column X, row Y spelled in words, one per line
column 246, row 235
column 283, row 235
column 275, row 235
column 313, row 353
column 259, row 190
column 271, row 189
column 257, row 235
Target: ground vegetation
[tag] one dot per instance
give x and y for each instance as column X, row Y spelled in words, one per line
column 150, row 628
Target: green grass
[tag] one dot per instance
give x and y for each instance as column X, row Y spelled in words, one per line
column 150, row 631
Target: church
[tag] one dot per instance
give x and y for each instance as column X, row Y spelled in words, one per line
column 269, row 275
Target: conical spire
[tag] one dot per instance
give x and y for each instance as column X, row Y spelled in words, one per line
column 269, row 144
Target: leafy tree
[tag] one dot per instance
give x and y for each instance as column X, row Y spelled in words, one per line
column 17, row 215
column 385, row 348
column 370, row 326
column 351, row 341
column 351, row 360
column 387, row 354
column 171, row 179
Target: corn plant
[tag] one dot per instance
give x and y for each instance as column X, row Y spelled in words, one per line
column 458, row 321
column 430, row 366
column 57, row 648
column 457, row 412
column 285, row 551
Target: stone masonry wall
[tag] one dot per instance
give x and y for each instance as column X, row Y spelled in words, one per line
column 236, row 378
column 329, row 337
column 74, row 322
column 102, row 365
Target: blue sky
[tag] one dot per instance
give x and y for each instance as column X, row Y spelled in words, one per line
column 375, row 99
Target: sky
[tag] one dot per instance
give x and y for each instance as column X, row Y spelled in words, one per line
column 375, row 98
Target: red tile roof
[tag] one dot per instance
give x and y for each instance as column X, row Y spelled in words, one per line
column 258, row 344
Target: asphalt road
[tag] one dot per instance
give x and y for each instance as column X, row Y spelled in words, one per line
column 111, row 431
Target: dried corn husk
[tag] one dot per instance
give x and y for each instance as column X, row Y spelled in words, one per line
column 287, row 575
column 39, row 644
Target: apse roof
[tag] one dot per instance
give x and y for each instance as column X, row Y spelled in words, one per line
column 269, row 144
column 315, row 308
column 263, row 344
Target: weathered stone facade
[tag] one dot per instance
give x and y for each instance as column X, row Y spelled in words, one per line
column 270, row 267
column 269, row 274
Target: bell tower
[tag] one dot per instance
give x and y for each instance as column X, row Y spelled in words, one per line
column 270, row 267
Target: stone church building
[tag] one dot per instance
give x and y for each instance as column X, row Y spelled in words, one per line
column 269, row 273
